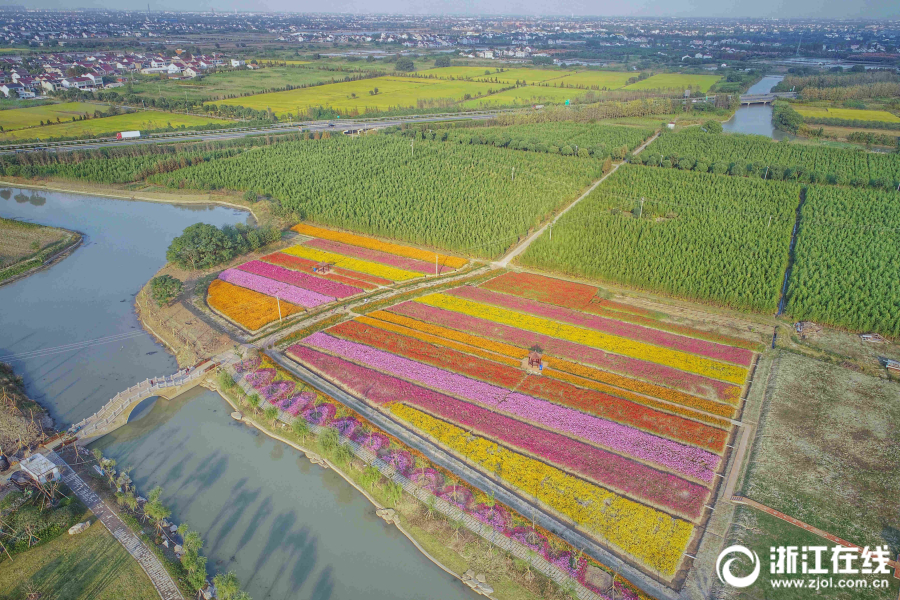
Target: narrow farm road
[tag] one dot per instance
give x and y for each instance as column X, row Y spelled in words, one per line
column 504, row 262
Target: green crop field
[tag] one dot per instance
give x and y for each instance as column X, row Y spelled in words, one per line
column 393, row 92
column 141, row 120
column 846, row 266
column 611, row 80
column 675, row 81
column 487, row 73
column 18, row 118
column 462, row 198
column 522, row 96
column 696, row 235
column 851, row 114
column 219, row 85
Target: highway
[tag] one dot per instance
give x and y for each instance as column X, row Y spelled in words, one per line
column 334, row 125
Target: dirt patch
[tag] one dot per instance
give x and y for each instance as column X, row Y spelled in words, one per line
column 23, row 423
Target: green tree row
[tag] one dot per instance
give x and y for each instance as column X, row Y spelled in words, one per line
column 473, row 199
column 847, row 268
column 201, row 246
column 694, row 235
column 566, row 138
column 804, row 162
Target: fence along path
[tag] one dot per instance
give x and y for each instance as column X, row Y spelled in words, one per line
column 112, row 409
column 521, row 551
column 158, row 575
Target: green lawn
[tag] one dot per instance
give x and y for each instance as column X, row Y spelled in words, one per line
column 88, row 566
column 141, row 120
column 17, row 118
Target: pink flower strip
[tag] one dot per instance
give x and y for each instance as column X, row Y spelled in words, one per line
column 615, row 363
column 270, row 287
column 668, row 454
column 738, row 356
column 299, row 279
column 605, row 468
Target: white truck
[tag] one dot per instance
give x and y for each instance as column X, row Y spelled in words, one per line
column 128, row 135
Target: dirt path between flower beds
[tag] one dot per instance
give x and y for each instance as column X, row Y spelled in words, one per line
column 504, row 262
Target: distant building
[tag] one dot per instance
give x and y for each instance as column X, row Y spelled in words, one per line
column 39, row 468
column 237, row 63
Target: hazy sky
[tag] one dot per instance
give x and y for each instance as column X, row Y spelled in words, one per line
column 694, row 8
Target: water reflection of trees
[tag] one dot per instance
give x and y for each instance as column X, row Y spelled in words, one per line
column 33, row 199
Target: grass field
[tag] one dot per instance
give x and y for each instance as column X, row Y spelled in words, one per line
column 393, row 92
column 522, row 96
column 143, row 120
column 483, row 73
column 270, row 61
column 88, row 566
column 21, row 240
column 18, row 118
column 675, row 81
column 218, row 85
column 821, row 112
column 826, row 450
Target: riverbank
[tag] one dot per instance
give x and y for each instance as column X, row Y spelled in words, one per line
column 142, row 192
column 452, row 548
column 31, row 247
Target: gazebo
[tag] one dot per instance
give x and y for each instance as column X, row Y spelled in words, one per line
column 534, row 359
column 323, row 268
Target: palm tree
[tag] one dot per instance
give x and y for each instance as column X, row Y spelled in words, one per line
column 271, row 414
column 253, row 400
column 155, row 510
column 301, row 428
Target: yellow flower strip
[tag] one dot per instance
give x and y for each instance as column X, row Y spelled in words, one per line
column 432, row 339
column 588, row 337
column 247, row 308
column 559, row 368
column 653, row 537
column 354, row 264
column 373, row 244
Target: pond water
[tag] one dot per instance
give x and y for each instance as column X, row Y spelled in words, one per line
column 288, row 529
column 757, row 118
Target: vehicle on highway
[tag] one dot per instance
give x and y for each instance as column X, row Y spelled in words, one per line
column 128, row 135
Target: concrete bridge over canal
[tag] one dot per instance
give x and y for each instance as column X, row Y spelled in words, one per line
column 748, row 99
column 116, row 412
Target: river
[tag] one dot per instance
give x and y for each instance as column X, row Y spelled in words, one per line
column 757, row 118
column 287, row 528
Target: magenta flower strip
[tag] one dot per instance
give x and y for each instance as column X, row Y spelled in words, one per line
column 270, row 287
column 615, row 363
column 392, row 260
column 666, row 453
column 738, row 356
column 326, row 287
column 601, row 466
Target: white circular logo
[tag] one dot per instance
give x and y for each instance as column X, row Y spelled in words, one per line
column 724, row 571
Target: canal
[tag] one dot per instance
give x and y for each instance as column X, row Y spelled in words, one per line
column 287, row 528
column 757, row 118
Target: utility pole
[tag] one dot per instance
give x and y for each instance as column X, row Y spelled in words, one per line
column 642, row 209
column 412, row 147
column 435, row 264
column 513, row 173
column 770, row 222
column 278, row 300
column 767, row 173
column 551, row 232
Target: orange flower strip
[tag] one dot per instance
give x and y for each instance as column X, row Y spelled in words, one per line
column 251, row 310
column 373, row 244
column 594, row 402
column 559, row 368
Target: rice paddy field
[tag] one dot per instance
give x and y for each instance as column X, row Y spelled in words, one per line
column 328, row 266
column 19, row 118
column 675, row 81
column 393, row 92
column 141, row 120
column 588, row 406
column 821, row 112
column 219, row 85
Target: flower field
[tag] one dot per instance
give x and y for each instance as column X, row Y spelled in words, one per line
column 297, row 401
column 293, row 276
column 622, row 430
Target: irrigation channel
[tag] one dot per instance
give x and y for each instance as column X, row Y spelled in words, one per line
column 757, row 118
column 288, row 529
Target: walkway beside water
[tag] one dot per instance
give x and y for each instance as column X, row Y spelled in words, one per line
column 158, row 575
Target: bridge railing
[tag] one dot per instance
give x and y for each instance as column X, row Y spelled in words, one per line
column 121, row 401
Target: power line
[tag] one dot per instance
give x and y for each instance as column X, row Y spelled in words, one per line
column 72, row 347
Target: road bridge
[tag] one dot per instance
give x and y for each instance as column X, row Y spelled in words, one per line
column 116, row 412
column 749, row 99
